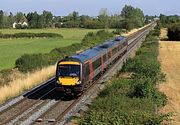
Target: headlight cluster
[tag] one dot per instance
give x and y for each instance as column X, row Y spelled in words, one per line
column 79, row 82
column 58, row 82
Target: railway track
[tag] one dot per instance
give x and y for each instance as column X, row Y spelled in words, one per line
column 43, row 106
column 36, row 97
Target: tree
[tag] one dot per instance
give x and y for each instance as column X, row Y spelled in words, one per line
column 20, row 17
column 48, row 17
column 104, row 17
column 1, row 19
column 75, row 16
column 168, row 21
column 33, row 19
column 148, row 19
column 133, row 17
column 83, row 19
column 174, row 32
column 41, row 22
column 10, row 20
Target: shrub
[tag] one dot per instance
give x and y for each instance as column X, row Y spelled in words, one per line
column 174, row 32
column 29, row 62
column 30, row 35
column 118, row 31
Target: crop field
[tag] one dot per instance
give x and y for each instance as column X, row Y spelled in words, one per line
column 170, row 57
column 11, row 49
column 163, row 34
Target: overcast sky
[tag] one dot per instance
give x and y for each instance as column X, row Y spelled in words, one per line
column 90, row 7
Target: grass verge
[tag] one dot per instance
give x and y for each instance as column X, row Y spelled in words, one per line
column 134, row 100
column 28, row 81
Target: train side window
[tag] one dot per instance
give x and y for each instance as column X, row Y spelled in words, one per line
column 109, row 54
column 96, row 63
column 104, row 58
column 114, row 51
column 120, row 47
column 87, row 69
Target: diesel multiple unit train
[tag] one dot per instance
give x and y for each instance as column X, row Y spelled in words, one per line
column 75, row 73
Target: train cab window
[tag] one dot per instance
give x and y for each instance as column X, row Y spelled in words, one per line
column 69, row 70
column 96, row 63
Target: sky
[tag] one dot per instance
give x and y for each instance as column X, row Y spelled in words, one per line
column 90, row 7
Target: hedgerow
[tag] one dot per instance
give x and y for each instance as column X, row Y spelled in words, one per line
column 132, row 101
column 30, row 62
column 174, row 32
column 30, row 35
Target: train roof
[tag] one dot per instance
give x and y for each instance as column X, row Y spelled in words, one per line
column 92, row 52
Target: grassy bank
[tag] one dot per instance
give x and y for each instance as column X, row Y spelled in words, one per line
column 25, row 82
column 134, row 100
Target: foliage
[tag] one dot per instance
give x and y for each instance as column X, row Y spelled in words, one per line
column 30, row 35
column 129, row 18
column 173, row 24
column 5, row 76
column 167, row 21
column 133, row 17
column 1, row 19
column 20, row 17
column 118, row 31
column 174, row 32
column 92, row 39
column 34, row 61
column 132, row 101
column 149, row 19
column 44, row 20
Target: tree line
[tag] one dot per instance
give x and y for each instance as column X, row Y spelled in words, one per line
column 172, row 23
column 167, row 21
column 129, row 18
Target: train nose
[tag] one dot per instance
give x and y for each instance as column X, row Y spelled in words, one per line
column 68, row 91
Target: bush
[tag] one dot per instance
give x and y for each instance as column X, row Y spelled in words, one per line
column 5, row 76
column 29, row 62
column 118, row 31
column 92, row 39
column 174, row 32
column 114, row 106
column 30, row 35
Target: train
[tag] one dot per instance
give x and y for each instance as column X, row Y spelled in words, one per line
column 76, row 73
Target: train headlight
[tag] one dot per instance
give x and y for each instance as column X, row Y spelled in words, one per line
column 79, row 82
column 58, row 82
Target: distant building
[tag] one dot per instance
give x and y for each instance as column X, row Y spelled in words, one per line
column 23, row 24
column 14, row 25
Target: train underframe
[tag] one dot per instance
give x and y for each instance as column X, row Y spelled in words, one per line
column 69, row 90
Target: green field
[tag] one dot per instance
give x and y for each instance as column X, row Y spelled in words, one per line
column 11, row 49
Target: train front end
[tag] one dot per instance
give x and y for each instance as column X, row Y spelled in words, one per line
column 68, row 77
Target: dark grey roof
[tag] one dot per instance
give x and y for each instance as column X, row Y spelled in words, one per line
column 92, row 52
